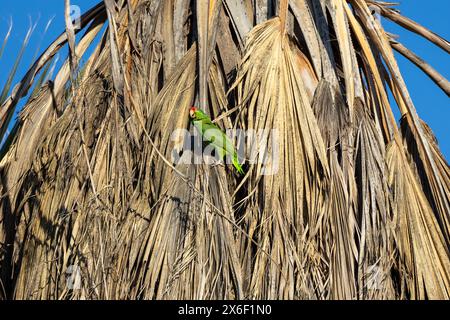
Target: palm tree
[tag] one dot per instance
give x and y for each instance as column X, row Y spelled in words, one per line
column 93, row 207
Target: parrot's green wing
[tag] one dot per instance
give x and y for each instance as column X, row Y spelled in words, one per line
column 219, row 139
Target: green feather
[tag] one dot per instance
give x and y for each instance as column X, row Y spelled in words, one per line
column 237, row 165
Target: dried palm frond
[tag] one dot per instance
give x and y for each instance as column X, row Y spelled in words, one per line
column 423, row 251
column 339, row 220
column 101, row 197
column 269, row 84
column 376, row 247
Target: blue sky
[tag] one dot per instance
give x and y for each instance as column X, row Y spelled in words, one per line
column 432, row 104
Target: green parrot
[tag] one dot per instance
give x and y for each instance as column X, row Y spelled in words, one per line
column 212, row 134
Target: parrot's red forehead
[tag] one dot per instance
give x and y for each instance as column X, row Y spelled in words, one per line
column 192, row 112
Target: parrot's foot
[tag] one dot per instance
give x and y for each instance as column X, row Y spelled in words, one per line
column 217, row 163
column 213, row 162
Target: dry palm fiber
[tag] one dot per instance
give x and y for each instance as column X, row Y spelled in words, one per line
column 276, row 100
column 356, row 209
column 423, row 251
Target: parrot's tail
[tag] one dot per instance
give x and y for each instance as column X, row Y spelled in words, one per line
column 237, row 165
